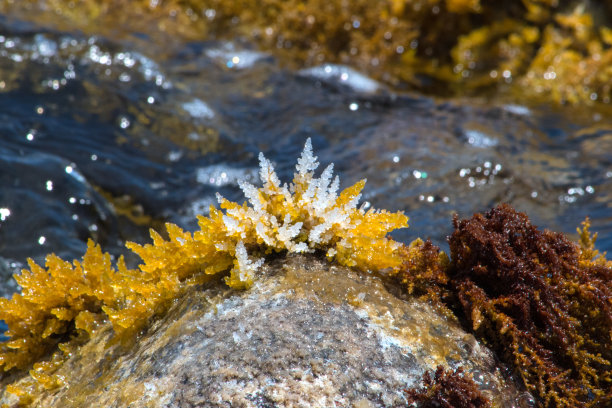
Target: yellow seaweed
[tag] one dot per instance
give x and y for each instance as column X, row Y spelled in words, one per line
column 589, row 256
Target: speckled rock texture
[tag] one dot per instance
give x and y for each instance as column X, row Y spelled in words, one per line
column 307, row 334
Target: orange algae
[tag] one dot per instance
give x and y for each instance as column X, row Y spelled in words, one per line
column 65, row 301
column 53, row 299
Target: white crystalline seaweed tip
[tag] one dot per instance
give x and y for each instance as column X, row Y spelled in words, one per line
column 267, row 173
column 321, row 217
column 252, row 194
column 307, row 162
column 246, row 267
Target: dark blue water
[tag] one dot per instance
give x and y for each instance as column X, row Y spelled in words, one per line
column 88, row 124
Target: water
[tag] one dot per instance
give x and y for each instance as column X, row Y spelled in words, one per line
column 102, row 138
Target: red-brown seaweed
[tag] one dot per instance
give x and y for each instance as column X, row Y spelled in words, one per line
column 542, row 302
column 448, row 389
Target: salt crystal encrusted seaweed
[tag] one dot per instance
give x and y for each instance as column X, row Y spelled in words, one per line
column 65, row 300
column 309, row 214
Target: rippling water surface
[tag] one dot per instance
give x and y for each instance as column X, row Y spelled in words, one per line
column 103, row 138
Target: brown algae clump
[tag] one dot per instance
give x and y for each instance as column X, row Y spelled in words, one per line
column 448, row 389
column 424, row 271
column 543, row 303
column 65, row 300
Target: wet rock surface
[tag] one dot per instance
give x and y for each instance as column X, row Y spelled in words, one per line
column 308, row 334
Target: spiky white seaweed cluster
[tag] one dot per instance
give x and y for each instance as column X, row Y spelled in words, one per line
column 298, row 217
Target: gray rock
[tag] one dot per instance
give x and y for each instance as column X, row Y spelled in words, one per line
column 307, row 334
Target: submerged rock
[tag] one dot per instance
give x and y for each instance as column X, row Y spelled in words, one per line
column 308, row 333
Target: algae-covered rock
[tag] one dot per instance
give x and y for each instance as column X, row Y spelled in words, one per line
column 308, row 333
